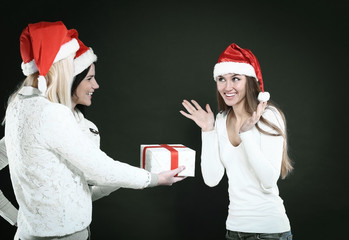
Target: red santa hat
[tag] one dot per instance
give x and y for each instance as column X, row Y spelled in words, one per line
column 240, row 61
column 84, row 58
column 43, row 44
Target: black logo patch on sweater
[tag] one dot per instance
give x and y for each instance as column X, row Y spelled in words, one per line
column 94, row 131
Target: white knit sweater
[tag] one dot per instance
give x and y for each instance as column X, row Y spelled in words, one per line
column 51, row 164
column 9, row 212
column 253, row 169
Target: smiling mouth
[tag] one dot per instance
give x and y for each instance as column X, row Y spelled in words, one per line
column 90, row 93
column 230, row 94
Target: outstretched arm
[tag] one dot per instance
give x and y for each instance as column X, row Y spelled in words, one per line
column 63, row 136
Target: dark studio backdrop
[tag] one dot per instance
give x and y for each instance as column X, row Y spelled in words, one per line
column 154, row 54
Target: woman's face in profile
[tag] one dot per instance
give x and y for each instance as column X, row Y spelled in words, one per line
column 86, row 88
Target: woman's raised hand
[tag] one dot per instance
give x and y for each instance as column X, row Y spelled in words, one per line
column 204, row 119
column 251, row 121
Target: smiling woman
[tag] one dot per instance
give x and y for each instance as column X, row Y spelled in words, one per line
column 43, row 132
column 247, row 140
column 84, row 86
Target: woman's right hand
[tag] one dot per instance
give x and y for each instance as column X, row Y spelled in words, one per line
column 204, row 119
column 170, row 177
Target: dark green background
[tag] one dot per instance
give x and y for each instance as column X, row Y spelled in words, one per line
column 154, row 54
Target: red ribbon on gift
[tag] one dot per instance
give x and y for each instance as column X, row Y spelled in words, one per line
column 174, row 154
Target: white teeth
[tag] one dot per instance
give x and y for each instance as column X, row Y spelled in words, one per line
column 230, row 94
column 90, row 93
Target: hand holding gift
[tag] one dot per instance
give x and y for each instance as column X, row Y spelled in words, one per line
column 157, row 158
column 170, row 177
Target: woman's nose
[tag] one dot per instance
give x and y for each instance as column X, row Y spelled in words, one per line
column 95, row 84
column 229, row 85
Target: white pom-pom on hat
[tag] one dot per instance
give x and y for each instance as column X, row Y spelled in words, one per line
column 263, row 97
column 42, row 86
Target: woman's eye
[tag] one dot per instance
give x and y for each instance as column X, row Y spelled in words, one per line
column 220, row 79
column 236, row 79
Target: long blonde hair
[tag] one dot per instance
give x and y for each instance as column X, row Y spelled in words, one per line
column 58, row 79
column 251, row 103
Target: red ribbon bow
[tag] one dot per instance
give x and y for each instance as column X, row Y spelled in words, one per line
column 174, row 154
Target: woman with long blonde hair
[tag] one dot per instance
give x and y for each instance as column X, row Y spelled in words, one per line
column 52, row 162
column 248, row 141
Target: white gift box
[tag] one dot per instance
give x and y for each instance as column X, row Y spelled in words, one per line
column 157, row 158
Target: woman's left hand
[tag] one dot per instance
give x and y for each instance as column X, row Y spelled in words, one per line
column 251, row 121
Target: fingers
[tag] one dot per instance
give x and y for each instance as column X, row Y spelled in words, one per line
column 177, row 170
column 253, row 118
column 191, row 107
column 258, row 113
column 264, row 105
column 188, row 106
column 198, row 107
column 251, row 121
column 208, row 108
column 178, row 179
column 175, row 173
column 169, row 177
column 186, row 114
column 260, row 108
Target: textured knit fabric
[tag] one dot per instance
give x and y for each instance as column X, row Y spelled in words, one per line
column 51, row 165
column 90, row 130
column 253, row 169
column 9, row 212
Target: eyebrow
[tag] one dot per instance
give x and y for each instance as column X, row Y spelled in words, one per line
column 234, row 74
column 237, row 75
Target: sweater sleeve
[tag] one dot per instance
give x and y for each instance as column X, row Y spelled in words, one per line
column 265, row 157
column 101, row 191
column 7, row 210
column 211, row 166
column 62, row 135
column 3, row 154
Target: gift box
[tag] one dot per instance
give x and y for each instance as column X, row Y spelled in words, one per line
column 157, row 158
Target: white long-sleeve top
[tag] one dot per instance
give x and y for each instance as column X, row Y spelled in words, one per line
column 9, row 212
column 253, row 169
column 51, row 164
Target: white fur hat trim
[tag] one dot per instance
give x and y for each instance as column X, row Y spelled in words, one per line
column 83, row 61
column 66, row 49
column 233, row 67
